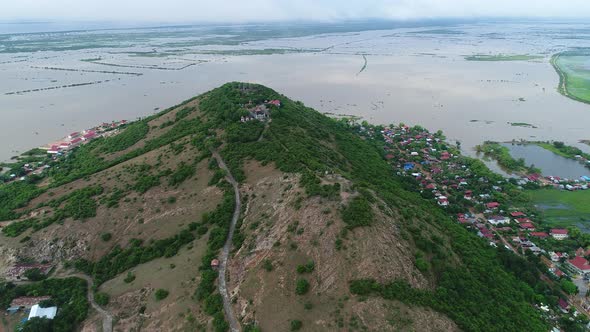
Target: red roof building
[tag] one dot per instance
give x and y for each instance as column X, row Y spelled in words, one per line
column 580, row 264
column 215, row 263
column 517, row 214
column 563, row 305
column 492, row 205
column 527, row 225
column 26, row 302
column 541, row 235
column 275, row 102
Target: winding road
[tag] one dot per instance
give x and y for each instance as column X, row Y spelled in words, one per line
column 229, row 312
column 107, row 318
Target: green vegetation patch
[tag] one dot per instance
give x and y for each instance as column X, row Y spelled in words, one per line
column 561, row 207
column 573, row 68
column 120, row 260
column 358, row 213
column 502, row 57
column 502, row 155
column 69, row 295
column 563, row 150
column 16, row 195
column 126, row 138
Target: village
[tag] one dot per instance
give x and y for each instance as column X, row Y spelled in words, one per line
column 36, row 163
column 30, row 306
column 482, row 202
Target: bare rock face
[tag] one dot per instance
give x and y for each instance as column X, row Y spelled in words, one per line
column 46, row 248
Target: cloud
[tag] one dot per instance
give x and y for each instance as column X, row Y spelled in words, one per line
column 282, row 10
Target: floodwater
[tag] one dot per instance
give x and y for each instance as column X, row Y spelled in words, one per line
column 549, row 163
column 411, row 76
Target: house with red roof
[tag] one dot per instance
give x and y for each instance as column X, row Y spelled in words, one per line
column 527, row 226
column 579, row 264
column 492, row 205
column 556, row 256
column 559, row 233
column 443, row 201
column 445, row 155
column 558, row 273
column 521, row 220
column 275, row 102
column 563, row 305
column 89, row 135
column 541, row 235
column 484, row 232
column 54, row 149
column 468, row 195
column 517, row 214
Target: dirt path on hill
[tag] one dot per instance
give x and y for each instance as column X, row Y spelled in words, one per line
column 266, row 125
column 229, row 313
column 107, row 318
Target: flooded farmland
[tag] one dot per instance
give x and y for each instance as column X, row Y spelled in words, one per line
column 415, row 75
column 548, row 162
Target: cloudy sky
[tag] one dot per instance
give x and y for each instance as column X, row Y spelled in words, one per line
column 277, row 10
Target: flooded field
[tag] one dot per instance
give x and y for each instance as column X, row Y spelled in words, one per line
column 550, row 163
column 52, row 84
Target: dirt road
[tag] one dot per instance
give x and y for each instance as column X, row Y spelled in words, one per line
column 229, row 313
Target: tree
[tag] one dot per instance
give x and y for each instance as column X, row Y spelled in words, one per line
column 35, row 274
column 302, row 286
column 296, row 325
column 568, row 286
column 37, row 324
column 161, row 294
column 102, row 298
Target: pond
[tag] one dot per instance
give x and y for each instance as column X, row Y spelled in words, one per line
column 549, row 163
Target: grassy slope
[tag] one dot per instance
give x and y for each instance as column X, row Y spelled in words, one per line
column 563, row 207
column 302, row 140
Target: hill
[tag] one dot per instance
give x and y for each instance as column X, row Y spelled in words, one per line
column 327, row 237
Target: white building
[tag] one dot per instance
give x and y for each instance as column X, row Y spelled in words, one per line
column 497, row 220
column 37, row 311
column 559, row 234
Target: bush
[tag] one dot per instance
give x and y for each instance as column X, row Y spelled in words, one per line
column 106, row 236
column 358, row 213
column 129, row 278
column 102, row 298
column 182, row 173
column 307, row 268
column 301, row 287
column 161, row 294
column 35, row 275
column 296, row 325
column 213, row 304
column 267, row 264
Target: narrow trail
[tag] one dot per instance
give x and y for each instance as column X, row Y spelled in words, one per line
column 266, row 125
column 229, row 313
column 107, row 318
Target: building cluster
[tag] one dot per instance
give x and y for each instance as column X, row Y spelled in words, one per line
column 32, row 306
column 77, row 138
column 260, row 112
column 17, row 272
column 480, row 203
